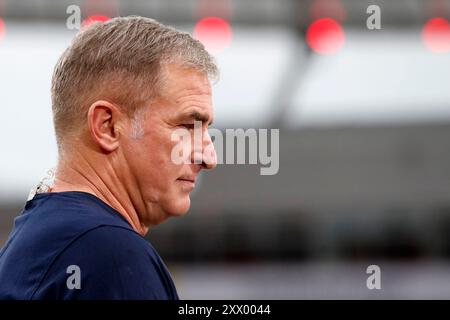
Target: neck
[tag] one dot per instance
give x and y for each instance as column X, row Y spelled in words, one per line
column 79, row 174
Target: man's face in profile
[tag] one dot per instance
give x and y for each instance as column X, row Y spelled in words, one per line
column 184, row 98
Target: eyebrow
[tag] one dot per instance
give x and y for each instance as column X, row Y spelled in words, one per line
column 199, row 116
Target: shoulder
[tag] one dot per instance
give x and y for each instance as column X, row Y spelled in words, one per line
column 109, row 241
column 107, row 262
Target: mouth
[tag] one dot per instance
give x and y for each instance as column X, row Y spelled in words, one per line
column 189, row 182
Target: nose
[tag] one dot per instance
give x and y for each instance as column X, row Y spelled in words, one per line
column 207, row 156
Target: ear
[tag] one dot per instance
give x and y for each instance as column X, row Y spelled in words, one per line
column 104, row 124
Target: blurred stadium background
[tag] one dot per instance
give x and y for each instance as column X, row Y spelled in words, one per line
column 364, row 119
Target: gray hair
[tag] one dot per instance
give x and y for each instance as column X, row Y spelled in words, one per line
column 119, row 61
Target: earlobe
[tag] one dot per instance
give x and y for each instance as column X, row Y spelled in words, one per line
column 103, row 119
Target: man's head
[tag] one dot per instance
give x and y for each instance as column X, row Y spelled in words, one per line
column 119, row 92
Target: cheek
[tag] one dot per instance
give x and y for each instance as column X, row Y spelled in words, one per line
column 158, row 151
column 181, row 147
column 146, row 157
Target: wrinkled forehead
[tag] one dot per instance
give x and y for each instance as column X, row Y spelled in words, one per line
column 184, row 96
column 179, row 81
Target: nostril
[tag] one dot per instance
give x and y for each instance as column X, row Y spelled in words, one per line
column 209, row 159
column 206, row 165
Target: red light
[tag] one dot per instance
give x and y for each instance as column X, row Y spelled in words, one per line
column 95, row 18
column 436, row 35
column 2, row 28
column 215, row 33
column 325, row 36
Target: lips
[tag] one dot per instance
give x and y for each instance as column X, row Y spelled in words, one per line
column 188, row 179
column 187, row 183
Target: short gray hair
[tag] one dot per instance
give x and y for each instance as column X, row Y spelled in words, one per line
column 119, row 61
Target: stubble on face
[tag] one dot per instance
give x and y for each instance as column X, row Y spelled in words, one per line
column 163, row 185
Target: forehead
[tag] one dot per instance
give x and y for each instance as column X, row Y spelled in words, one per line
column 185, row 94
column 179, row 83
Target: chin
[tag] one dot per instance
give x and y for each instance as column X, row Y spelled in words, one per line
column 179, row 207
column 170, row 208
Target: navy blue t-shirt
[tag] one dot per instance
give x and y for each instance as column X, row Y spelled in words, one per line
column 72, row 245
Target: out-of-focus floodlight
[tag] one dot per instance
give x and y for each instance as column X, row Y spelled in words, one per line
column 2, row 28
column 94, row 18
column 436, row 35
column 325, row 36
column 215, row 33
